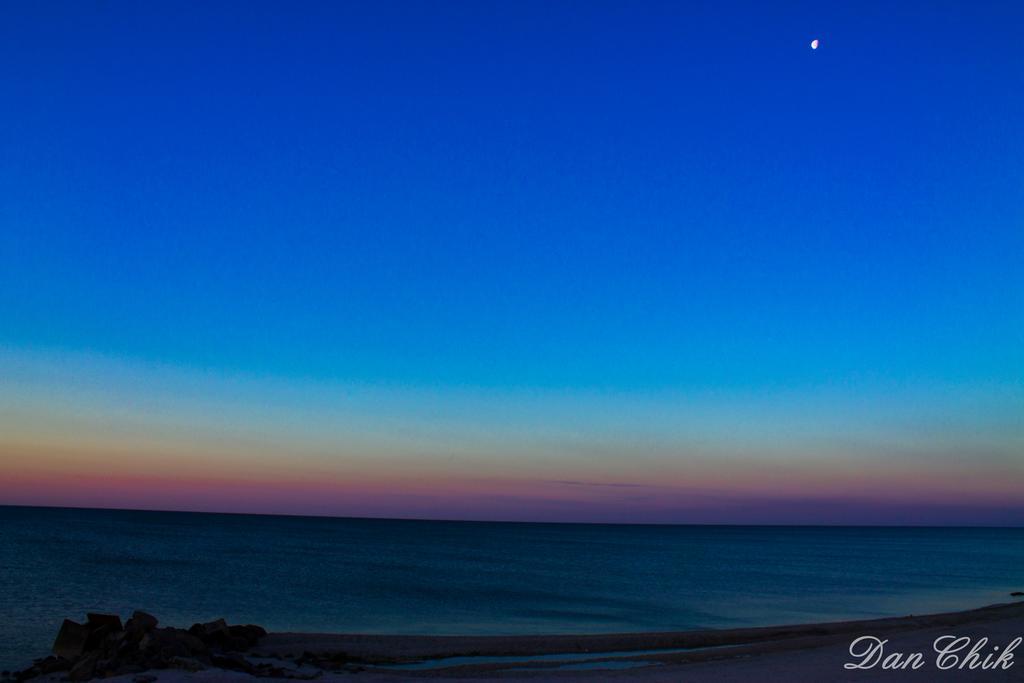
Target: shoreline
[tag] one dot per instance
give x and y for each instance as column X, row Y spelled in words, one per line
column 676, row 647
column 792, row 652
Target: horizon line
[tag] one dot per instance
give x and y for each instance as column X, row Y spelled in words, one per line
column 512, row 521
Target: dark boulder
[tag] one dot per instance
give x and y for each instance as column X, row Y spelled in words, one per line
column 210, row 628
column 217, row 634
column 234, row 644
column 165, row 643
column 141, row 622
column 97, row 637
column 185, row 664
column 195, row 645
column 125, row 669
column 51, row 664
column 71, row 639
column 110, row 621
column 233, row 662
column 172, row 642
column 84, row 668
column 1017, row 594
column 249, row 632
column 114, row 643
column 103, row 647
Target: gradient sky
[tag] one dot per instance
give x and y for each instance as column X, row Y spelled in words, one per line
column 631, row 262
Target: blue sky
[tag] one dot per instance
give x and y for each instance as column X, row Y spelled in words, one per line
column 633, row 200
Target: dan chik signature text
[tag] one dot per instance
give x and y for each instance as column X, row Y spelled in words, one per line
column 950, row 653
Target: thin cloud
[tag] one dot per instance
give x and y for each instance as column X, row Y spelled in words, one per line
column 571, row 482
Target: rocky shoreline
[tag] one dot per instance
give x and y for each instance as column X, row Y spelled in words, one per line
column 102, row 647
column 140, row 651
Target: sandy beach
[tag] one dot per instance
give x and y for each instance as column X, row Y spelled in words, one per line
column 808, row 652
column 811, row 652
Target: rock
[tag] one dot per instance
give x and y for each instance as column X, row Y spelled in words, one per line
column 111, row 621
column 235, row 644
column 71, row 639
column 97, row 636
column 219, row 635
column 113, row 644
column 250, row 633
column 84, row 669
column 173, row 642
column 147, row 678
column 195, row 645
column 141, row 622
column 104, row 667
column 1017, row 594
column 126, row 669
column 51, row 664
column 232, row 661
column 104, row 647
column 169, row 642
column 267, row 670
column 210, row 628
column 185, row 664
column 27, row 674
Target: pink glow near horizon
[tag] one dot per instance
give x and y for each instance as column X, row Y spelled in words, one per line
column 164, row 440
column 519, row 499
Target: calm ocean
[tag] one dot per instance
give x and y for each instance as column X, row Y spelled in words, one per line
column 320, row 574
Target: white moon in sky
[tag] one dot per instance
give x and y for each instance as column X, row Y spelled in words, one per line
column 814, row 44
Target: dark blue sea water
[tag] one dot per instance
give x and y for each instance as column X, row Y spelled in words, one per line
column 320, row 574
